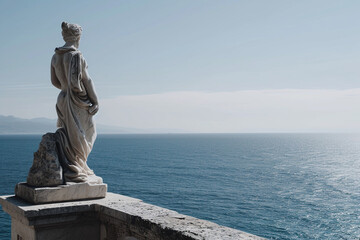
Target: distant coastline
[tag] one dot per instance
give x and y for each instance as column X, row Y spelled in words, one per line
column 11, row 125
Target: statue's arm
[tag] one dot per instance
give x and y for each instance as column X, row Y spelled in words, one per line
column 54, row 80
column 90, row 92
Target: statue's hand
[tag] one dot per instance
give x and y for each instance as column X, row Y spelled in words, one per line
column 94, row 109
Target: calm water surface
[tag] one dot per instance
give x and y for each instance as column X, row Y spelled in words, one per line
column 279, row 186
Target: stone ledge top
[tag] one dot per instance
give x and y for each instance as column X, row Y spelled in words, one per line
column 29, row 210
column 125, row 208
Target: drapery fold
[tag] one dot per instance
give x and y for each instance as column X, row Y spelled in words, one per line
column 76, row 132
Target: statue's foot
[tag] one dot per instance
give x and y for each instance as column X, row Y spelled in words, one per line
column 93, row 179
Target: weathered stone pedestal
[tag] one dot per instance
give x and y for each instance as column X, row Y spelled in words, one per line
column 115, row 217
column 61, row 193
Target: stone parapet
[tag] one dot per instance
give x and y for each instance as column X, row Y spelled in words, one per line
column 115, row 217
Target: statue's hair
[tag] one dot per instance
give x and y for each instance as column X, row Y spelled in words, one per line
column 70, row 32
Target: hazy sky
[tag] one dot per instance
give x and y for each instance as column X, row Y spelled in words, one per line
column 199, row 66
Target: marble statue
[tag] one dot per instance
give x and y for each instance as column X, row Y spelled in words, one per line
column 76, row 104
column 59, row 171
column 62, row 156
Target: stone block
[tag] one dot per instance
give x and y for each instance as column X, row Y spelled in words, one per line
column 61, row 193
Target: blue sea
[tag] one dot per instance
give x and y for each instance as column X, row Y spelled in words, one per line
column 278, row 186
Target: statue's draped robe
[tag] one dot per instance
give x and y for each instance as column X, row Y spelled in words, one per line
column 76, row 132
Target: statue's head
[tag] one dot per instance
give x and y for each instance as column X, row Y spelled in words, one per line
column 71, row 32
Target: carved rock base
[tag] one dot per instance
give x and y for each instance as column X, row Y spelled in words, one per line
column 46, row 169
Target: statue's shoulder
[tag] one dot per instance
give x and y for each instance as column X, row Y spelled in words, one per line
column 80, row 55
column 54, row 59
column 82, row 59
column 77, row 54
